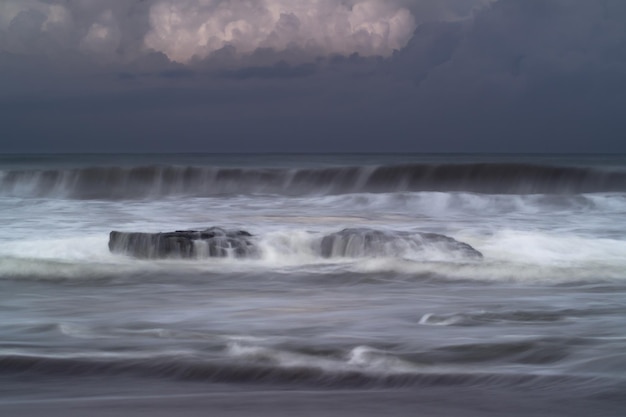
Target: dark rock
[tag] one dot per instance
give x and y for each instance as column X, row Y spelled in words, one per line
column 214, row 242
column 359, row 242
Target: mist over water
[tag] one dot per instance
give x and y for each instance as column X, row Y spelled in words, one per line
column 539, row 316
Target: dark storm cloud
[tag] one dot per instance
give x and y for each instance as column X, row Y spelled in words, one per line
column 509, row 75
column 280, row 70
column 528, row 75
column 177, row 73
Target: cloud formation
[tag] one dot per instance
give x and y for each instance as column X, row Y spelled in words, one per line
column 183, row 29
column 109, row 31
column 122, row 31
column 32, row 26
column 103, row 37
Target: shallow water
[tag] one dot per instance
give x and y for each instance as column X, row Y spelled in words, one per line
column 535, row 327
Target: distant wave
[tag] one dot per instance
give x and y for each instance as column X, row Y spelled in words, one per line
column 158, row 181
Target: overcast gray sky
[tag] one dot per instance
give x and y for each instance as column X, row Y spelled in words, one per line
column 318, row 75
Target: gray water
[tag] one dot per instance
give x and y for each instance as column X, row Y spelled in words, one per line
column 535, row 327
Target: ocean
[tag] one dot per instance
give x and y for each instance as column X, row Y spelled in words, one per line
column 390, row 319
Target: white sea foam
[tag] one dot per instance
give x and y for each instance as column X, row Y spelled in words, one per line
column 522, row 237
column 508, row 255
column 361, row 358
column 430, row 319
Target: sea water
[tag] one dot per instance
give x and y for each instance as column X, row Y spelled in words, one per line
column 535, row 327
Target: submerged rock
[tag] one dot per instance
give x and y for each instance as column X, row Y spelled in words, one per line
column 214, row 242
column 359, row 242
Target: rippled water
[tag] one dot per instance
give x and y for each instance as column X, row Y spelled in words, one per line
column 535, row 327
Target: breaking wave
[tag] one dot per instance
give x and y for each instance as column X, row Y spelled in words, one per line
column 359, row 368
column 155, row 181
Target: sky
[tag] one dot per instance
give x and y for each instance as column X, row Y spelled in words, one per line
column 313, row 76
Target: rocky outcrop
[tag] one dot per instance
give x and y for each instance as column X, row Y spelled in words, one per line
column 363, row 242
column 214, row 242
